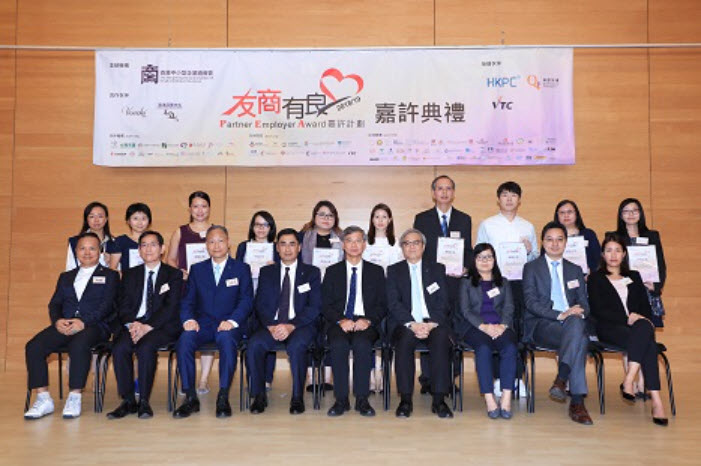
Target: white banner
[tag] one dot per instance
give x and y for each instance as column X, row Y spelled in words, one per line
column 334, row 107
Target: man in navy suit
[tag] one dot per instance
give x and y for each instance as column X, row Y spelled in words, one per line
column 216, row 307
column 79, row 309
column 556, row 308
column 287, row 307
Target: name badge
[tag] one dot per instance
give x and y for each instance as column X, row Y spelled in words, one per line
column 304, row 288
column 164, row 288
column 627, row 281
column 572, row 284
column 98, row 280
column 203, row 234
column 586, row 243
column 642, row 240
column 493, row 292
column 334, row 240
column 432, row 288
column 455, row 234
column 232, row 282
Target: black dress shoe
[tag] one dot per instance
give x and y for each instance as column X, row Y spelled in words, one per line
column 223, row 406
column 426, row 389
column 189, row 406
column 296, row 406
column 441, row 409
column 660, row 421
column 339, row 407
column 259, row 403
column 404, row 409
column 123, row 410
column 362, row 405
column 145, row 411
column 627, row 396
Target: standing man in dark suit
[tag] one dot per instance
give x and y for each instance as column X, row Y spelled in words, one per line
column 80, row 310
column 287, row 309
column 353, row 296
column 149, row 318
column 556, row 308
column 216, row 307
column 418, row 310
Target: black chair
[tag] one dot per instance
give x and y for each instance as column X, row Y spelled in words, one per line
column 102, row 353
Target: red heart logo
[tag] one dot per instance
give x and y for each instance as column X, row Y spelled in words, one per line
column 334, row 73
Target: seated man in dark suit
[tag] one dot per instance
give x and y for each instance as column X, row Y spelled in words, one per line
column 418, row 310
column 149, row 318
column 353, row 296
column 556, row 308
column 216, row 307
column 80, row 310
column 287, row 309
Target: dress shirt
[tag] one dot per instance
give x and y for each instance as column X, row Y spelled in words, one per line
column 447, row 217
column 358, row 310
column 142, row 308
column 498, row 229
column 559, row 275
column 419, row 273
column 81, row 280
column 293, row 272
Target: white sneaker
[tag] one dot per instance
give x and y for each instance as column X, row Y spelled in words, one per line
column 72, row 408
column 40, row 408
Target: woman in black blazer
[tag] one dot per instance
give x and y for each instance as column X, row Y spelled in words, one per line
column 484, row 322
column 619, row 303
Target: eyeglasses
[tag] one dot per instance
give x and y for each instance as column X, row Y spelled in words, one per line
column 418, row 242
column 630, row 211
column 261, row 225
column 325, row 216
column 486, row 258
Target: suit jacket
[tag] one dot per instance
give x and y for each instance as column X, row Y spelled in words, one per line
column 166, row 299
column 606, row 305
column 210, row 304
column 653, row 238
column 95, row 307
column 333, row 293
column 470, row 305
column 427, row 222
column 307, row 304
column 536, row 292
column 399, row 294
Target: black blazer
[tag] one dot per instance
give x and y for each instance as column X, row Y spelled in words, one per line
column 166, row 298
column 470, row 304
column 605, row 303
column 95, row 307
column 333, row 293
column 653, row 238
column 399, row 294
column 427, row 222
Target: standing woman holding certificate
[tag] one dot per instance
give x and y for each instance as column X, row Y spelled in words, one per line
column 259, row 249
column 567, row 213
column 96, row 220
column 383, row 248
column 321, row 232
column 124, row 250
column 194, row 232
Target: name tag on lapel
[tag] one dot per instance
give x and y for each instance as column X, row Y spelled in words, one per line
column 304, row 288
column 232, row 282
column 203, row 234
column 164, row 288
column 432, row 288
column 455, row 234
column 642, row 240
column 572, row 284
column 334, row 240
column 627, row 281
column 494, row 292
column 98, row 280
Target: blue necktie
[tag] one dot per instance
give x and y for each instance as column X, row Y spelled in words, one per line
column 350, row 307
column 559, row 303
column 444, row 225
column 416, row 308
column 217, row 273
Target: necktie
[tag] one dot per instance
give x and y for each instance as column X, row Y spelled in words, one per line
column 444, row 225
column 217, row 273
column 283, row 315
column 350, row 307
column 149, row 296
column 416, row 310
column 559, row 303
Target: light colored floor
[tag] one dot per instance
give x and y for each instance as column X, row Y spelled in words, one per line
column 624, row 434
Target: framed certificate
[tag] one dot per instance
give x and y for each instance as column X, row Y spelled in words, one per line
column 644, row 260
column 134, row 258
column 257, row 256
column 511, row 258
column 450, row 253
column 195, row 252
column 576, row 252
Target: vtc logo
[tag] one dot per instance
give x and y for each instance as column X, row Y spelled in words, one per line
column 501, row 105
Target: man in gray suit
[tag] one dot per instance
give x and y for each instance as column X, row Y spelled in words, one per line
column 556, row 308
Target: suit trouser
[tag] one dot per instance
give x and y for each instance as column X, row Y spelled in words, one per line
column 453, row 291
column 146, row 350
column 49, row 340
column 340, row 344
column 570, row 339
column 439, row 347
column 297, row 347
column 484, row 347
column 639, row 342
column 227, row 344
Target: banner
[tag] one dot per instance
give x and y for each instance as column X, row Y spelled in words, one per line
column 334, row 107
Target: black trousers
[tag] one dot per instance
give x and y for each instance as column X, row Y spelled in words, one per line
column 639, row 342
column 48, row 341
column 453, row 290
column 439, row 347
column 340, row 344
column 146, row 351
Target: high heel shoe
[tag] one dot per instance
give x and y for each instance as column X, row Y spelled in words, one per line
column 627, row 396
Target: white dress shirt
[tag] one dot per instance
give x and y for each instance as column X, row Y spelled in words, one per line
column 498, row 229
column 419, row 274
column 559, row 275
column 142, row 308
column 358, row 310
column 82, row 279
column 447, row 217
column 293, row 273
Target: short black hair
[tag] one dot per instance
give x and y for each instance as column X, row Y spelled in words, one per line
column 510, row 186
column 158, row 236
column 88, row 234
column 288, row 231
column 440, row 177
column 553, row 225
column 138, row 207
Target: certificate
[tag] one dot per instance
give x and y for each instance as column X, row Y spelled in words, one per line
column 134, row 258
column 257, row 256
column 450, row 253
column 576, row 252
column 380, row 255
column 194, row 253
column 324, row 257
column 511, row 258
column 644, row 260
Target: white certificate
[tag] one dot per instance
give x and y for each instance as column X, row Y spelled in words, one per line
column 195, row 252
column 576, row 251
column 511, row 258
column 644, row 260
column 134, row 258
column 450, row 253
column 324, row 257
column 257, row 256
column 380, row 255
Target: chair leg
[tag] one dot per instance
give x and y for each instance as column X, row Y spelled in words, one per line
column 452, row 380
column 96, row 384
column 601, row 381
column 670, row 386
column 462, row 377
column 171, row 400
column 242, row 370
column 388, row 378
column 29, row 398
column 531, row 408
column 60, row 376
column 103, row 379
column 526, row 378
